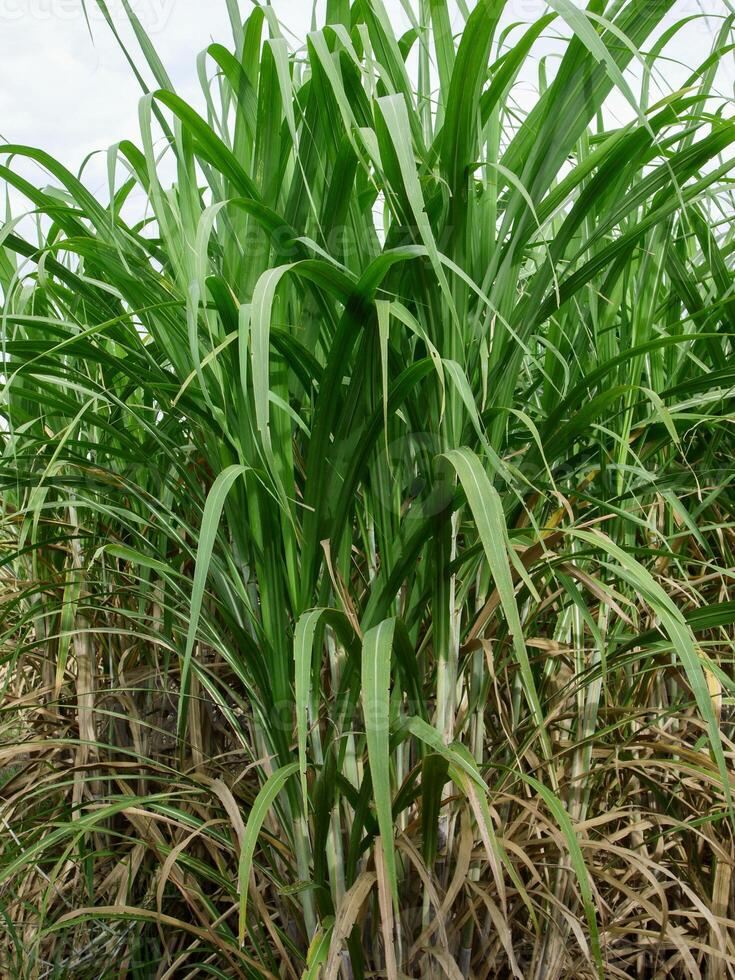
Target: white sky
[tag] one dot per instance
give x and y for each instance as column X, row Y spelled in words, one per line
column 72, row 95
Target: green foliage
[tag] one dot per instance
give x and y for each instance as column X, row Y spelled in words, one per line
column 389, row 448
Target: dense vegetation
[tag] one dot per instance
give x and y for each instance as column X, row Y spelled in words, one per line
column 367, row 513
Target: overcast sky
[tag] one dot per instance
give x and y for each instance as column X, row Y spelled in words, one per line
column 73, row 94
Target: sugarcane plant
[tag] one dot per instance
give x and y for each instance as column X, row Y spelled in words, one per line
column 366, row 546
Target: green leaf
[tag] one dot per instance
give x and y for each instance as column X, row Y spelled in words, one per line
column 681, row 637
column 377, row 648
column 263, row 802
column 487, row 510
column 578, row 863
column 207, row 537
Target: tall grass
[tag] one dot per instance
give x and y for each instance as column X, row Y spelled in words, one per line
column 367, row 513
